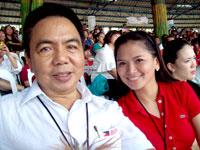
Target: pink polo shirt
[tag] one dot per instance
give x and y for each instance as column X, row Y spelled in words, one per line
column 181, row 105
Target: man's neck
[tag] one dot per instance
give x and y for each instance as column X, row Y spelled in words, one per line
column 64, row 99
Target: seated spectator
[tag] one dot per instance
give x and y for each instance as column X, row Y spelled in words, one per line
column 170, row 38
column 13, row 44
column 104, row 63
column 88, row 41
column 24, row 74
column 197, row 78
column 99, row 40
column 88, row 55
column 180, row 59
column 159, row 44
column 2, row 36
column 9, row 63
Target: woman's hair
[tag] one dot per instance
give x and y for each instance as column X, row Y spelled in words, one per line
column 96, row 36
column 109, row 35
column 171, row 49
column 162, row 74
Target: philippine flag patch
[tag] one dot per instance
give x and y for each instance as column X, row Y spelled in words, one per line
column 106, row 133
column 110, row 132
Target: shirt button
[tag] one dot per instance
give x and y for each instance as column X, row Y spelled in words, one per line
column 162, row 114
column 165, row 126
column 170, row 137
column 174, row 148
column 159, row 101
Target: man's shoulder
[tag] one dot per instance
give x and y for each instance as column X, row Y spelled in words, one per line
column 13, row 99
column 104, row 103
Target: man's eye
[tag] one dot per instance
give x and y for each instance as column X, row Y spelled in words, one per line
column 45, row 49
column 70, row 47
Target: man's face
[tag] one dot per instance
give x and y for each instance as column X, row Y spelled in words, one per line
column 56, row 55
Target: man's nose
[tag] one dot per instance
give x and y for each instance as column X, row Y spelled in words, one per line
column 61, row 56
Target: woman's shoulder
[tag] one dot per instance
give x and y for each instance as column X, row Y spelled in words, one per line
column 176, row 84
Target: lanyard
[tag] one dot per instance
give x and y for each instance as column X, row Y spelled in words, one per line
column 87, row 119
column 163, row 138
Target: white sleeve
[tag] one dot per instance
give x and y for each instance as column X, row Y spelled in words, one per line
column 19, row 68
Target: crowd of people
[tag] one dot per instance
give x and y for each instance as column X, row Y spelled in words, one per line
column 153, row 100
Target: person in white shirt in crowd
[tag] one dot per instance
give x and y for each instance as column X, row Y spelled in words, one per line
column 9, row 63
column 104, row 63
column 197, row 78
column 57, row 111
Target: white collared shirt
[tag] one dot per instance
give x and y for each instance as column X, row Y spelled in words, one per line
column 104, row 61
column 26, row 125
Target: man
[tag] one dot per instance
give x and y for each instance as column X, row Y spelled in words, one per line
column 9, row 63
column 57, row 111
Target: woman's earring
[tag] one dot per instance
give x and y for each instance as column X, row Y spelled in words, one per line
column 157, row 69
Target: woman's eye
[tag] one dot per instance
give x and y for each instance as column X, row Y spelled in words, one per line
column 139, row 60
column 121, row 63
column 186, row 61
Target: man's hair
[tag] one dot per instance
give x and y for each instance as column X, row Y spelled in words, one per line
column 46, row 10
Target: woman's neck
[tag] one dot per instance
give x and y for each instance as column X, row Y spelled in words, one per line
column 9, row 37
column 147, row 95
column 111, row 46
column 100, row 44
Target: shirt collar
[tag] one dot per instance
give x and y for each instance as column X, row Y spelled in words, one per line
column 35, row 91
column 161, row 91
column 106, row 46
column 130, row 99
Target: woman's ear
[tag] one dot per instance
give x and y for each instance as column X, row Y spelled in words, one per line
column 170, row 66
column 157, row 64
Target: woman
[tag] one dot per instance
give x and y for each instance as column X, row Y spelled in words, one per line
column 167, row 112
column 180, row 59
column 104, row 63
column 13, row 44
column 99, row 40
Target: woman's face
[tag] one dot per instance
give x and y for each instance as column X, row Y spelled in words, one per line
column 9, row 30
column 136, row 66
column 185, row 64
column 114, row 38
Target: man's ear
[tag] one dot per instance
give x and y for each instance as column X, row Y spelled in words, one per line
column 170, row 66
column 28, row 60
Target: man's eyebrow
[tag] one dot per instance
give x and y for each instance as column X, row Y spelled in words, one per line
column 43, row 42
column 51, row 42
column 73, row 40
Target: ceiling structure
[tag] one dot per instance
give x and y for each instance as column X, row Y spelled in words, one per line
column 113, row 13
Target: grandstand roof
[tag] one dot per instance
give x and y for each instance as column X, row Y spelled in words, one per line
column 113, row 13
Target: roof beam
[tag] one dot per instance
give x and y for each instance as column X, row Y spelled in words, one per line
column 183, row 13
